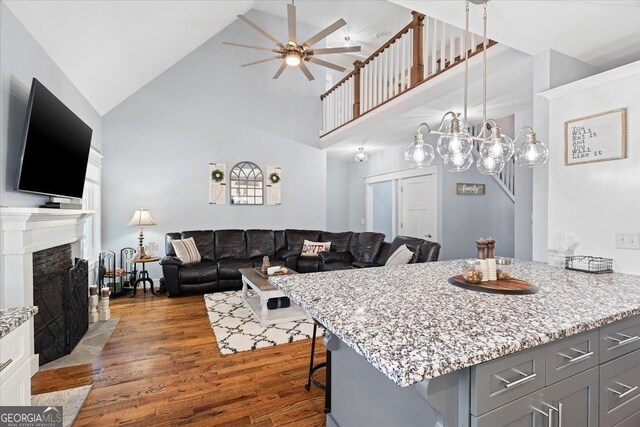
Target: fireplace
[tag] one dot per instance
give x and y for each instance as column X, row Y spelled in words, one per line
column 60, row 292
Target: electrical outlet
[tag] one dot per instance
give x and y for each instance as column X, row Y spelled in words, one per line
column 628, row 241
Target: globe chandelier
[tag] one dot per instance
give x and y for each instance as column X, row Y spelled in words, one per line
column 456, row 144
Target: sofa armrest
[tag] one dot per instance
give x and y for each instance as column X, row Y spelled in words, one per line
column 171, row 275
column 359, row 264
column 171, row 260
column 329, row 257
column 284, row 254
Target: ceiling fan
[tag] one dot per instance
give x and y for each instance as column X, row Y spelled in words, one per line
column 293, row 53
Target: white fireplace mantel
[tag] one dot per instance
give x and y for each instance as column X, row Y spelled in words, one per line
column 29, row 230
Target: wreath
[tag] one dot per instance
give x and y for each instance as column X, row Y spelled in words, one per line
column 217, row 175
column 274, row 178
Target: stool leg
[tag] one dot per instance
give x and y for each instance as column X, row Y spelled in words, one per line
column 313, row 350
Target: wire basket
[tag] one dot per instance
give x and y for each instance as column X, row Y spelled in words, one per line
column 589, row 264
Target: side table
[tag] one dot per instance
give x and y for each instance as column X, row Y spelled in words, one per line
column 144, row 274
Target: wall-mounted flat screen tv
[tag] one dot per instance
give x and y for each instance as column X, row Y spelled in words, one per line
column 55, row 147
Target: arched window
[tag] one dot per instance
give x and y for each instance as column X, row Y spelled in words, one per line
column 246, row 184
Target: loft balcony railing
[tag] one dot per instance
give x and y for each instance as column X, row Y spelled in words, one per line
column 422, row 50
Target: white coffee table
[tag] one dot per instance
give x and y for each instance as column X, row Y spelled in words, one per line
column 258, row 304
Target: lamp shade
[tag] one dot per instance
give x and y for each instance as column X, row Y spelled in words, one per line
column 142, row 217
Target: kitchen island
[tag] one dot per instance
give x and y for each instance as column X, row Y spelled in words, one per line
column 408, row 348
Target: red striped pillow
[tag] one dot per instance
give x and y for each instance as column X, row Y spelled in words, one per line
column 186, row 250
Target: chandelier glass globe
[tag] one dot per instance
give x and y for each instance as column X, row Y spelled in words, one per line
column 458, row 162
column 419, row 153
column 490, row 165
column 456, row 141
column 531, row 153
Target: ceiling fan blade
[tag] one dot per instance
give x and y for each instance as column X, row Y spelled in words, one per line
column 268, row 49
column 325, row 64
column 324, row 33
column 306, row 71
column 327, row 50
column 258, row 29
column 291, row 16
column 280, row 70
column 261, row 61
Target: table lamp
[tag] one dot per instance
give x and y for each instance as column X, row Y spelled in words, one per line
column 141, row 217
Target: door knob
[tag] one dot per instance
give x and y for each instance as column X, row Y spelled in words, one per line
column 427, row 236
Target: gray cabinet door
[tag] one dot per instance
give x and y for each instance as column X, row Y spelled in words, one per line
column 574, row 401
column 528, row 411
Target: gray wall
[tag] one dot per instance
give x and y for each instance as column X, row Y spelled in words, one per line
column 159, row 142
column 22, row 59
column 337, row 195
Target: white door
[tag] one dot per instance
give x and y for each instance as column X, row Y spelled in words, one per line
column 417, row 205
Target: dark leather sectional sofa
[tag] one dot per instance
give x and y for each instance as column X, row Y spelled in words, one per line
column 224, row 252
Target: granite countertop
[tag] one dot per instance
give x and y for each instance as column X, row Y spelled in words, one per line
column 412, row 325
column 11, row 318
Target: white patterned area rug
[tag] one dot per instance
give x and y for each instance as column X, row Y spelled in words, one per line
column 237, row 329
column 70, row 399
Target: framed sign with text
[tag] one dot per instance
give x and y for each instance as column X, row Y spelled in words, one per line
column 596, row 138
column 465, row 189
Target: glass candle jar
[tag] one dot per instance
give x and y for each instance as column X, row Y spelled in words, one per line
column 471, row 271
column 504, row 268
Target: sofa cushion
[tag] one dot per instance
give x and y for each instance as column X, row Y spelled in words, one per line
column 296, row 238
column 168, row 247
column 365, row 246
column 230, row 244
column 334, row 266
column 229, row 268
column 199, row 272
column 186, row 250
column 308, row 264
column 204, row 242
column 339, row 241
column 280, row 239
column 260, row 243
column 341, row 257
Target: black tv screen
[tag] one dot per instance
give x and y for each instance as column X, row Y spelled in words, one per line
column 55, row 147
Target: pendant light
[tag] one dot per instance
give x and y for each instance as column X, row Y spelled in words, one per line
column 361, row 155
column 419, row 153
column 455, row 145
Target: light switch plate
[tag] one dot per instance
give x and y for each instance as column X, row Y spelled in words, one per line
column 628, row 241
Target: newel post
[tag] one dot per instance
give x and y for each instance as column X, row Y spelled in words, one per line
column 417, row 69
column 357, row 65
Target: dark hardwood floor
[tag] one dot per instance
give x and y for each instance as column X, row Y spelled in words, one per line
column 162, row 366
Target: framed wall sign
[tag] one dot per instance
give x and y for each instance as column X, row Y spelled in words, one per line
column 466, row 189
column 596, row 138
column 217, row 184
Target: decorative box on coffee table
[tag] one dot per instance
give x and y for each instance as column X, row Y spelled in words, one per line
column 259, row 282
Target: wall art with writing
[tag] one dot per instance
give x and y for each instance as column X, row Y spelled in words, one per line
column 596, row 138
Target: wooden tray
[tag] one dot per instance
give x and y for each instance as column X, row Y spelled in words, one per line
column 511, row 286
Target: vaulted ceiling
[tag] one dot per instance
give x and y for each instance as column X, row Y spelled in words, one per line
column 110, row 49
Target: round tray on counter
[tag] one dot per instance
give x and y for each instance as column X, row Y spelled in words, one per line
column 508, row 286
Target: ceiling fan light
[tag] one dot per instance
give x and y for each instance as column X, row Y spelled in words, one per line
column 292, row 58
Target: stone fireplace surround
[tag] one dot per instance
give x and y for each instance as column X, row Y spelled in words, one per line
column 23, row 232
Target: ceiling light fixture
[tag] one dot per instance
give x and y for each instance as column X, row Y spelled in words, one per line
column 361, row 155
column 292, row 58
column 455, row 145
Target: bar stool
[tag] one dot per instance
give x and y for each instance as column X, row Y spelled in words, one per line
column 312, row 369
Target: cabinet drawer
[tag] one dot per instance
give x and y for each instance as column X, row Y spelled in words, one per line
column 504, row 380
column 619, row 389
column 619, row 338
column 14, row 349
column 524, row 412
column 15, row 390
column 571, row 356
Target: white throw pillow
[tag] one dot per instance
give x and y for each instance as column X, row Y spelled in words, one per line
column 401, row 256
column 310, row 248
column 186, row 250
